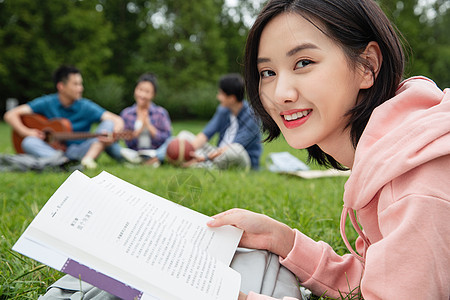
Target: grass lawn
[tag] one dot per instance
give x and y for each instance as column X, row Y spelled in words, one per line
column 313, row 206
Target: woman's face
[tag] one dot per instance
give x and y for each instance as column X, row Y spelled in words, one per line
column 144, row 93
column 306, row 83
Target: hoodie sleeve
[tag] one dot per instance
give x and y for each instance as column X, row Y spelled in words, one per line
column 319, row 268
column 322, row 270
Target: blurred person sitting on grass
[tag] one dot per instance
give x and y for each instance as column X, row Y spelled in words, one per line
column 239, row 143
column 81, row 112
column 150, row 123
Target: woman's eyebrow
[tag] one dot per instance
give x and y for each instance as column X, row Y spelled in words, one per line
column 262, row 60
column 301, row 48
column 291, row 52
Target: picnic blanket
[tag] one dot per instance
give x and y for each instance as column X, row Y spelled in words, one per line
column 26, row 162
column 286, row 163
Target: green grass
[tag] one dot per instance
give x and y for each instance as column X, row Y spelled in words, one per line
column 312, row 206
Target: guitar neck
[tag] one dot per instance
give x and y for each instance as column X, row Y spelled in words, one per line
column 71, row 136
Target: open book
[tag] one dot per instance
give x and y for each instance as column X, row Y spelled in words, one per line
column 131, row 243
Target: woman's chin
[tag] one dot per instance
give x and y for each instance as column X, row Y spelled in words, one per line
column 295, row 144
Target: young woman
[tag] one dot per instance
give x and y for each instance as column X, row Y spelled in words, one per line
column 328, row 76
column 150, row 123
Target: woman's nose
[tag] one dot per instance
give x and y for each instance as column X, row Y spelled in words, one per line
column 285, row 90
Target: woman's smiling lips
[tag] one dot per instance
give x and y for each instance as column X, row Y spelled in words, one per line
column 295, row 118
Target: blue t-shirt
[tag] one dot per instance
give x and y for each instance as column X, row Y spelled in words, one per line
column 248, row 133
column 81, row 114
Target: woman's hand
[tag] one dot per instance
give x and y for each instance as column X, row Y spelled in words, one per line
column 242, row 296
column 144, row 117
column 260, row 231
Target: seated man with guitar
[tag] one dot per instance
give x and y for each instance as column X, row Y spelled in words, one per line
column 62, row 121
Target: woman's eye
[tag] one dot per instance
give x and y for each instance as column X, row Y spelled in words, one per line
column 267, row 73
column 303, row 63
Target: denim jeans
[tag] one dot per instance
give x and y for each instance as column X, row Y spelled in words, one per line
column 39, row 148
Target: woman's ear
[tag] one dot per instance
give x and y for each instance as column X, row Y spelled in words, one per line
column 372, row 63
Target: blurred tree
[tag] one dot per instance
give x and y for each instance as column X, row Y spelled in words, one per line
column 188, row 44
column 37, row 36
column 127, row 19
column 235, row 20
column 182, row 44
column 424, row 25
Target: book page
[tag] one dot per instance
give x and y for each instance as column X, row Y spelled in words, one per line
column 186, row 222
column 139, row 238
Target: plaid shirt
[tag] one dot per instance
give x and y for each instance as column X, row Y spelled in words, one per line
column 159, row 117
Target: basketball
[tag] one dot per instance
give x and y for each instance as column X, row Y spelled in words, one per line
column 179, row 151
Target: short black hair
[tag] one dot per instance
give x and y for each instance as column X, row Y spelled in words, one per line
column 150, row 77
column 233, row 84
column 62, row 73
column 352, row 24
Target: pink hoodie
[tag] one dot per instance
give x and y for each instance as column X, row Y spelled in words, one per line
column 400, row 191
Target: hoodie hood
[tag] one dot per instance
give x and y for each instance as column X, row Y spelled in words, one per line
column 406, row 131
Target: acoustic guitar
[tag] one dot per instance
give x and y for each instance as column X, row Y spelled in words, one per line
column 57, row 131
